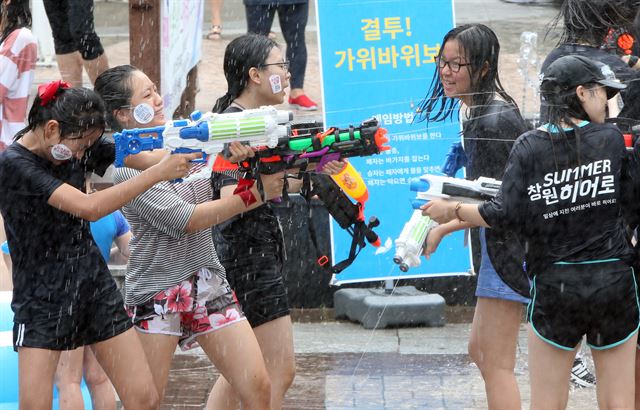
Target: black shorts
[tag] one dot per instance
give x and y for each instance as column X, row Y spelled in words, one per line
column 95, row 321
column 597, row 299
column 72, row 27
column 250, row 249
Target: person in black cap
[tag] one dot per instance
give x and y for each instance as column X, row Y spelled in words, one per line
column 562, row 193
column 585, row 26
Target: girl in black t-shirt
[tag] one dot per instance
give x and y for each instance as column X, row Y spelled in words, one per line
column 467, row 81
column 64, row 296
column 250, row 245
column 562, row 192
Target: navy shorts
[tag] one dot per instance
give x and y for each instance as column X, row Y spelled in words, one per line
column 97, row 320
column 599, row 299
column 251, row 250
column 72, row 27
column 490, row 285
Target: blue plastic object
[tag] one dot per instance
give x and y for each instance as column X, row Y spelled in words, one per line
column 454, row 160
column 418, row 185
column 9, row 362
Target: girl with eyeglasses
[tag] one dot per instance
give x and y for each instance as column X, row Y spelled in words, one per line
column 466, row 82
column 250, row 245
column 563, row 191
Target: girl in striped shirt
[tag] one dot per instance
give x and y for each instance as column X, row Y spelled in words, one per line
column 176, row 290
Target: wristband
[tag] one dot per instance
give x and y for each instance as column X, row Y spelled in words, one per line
column 243, row 190
column 457, row 211
column 247, row 197
column 633, row 60
column 243, row 185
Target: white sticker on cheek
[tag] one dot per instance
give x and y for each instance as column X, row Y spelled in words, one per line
column 143, row 113
column 276, row 83
column 61, row 152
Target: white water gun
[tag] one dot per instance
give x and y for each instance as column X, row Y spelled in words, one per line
column 429, row 187
column 207, row 133
column 410, row 243
column 412, row 239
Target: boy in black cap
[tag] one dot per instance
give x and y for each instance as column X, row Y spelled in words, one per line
column 561, row 192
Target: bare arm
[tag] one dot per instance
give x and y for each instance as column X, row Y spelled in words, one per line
column 120, row 253
column 122, row 243
column 443, row 211
column 144, row 159
column 211, row 213
column 94, row 206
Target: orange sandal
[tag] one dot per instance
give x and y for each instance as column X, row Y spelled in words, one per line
column 215, row 33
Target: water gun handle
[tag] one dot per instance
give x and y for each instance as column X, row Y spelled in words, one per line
column 131, row 142
column 190, row 150
column 352, row 183
column 371, row 236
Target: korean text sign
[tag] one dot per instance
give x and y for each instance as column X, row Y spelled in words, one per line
column 378, row 60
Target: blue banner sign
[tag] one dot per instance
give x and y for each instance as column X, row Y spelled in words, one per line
column 378, row 60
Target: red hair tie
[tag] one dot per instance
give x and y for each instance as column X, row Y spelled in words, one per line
column 47, row 92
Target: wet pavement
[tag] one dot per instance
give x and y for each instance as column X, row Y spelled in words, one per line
column 340, row 365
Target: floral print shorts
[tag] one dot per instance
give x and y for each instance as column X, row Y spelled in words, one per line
column 198, row 305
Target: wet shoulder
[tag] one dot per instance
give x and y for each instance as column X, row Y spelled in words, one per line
column 609, row 134
column 504, row 118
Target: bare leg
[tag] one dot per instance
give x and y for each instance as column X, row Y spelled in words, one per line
column 36, row 368
column 96, row 66
column 549, row 369
column 234, row 350
column 124, row 361
column 159, row 350
column 216, row 12
column 70, row 67
column 615, row 370
column 68, row 378
column 492, row 346
column 6, row 283
column 276, row 343
column 637, row 378
column 296, row 92
column 102, row 394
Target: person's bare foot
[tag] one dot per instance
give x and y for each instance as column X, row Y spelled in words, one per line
column 215, row 33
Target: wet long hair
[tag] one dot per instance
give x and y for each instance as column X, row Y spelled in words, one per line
column 243, row 53
column 17, row 15
column 114, row 86
column 563, row 106
column 482, row 49
column 77, row 110
column 589, row 21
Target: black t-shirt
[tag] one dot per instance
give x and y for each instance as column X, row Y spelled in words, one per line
column 624, row 73
column 487, row 143
column 55, row 260
column 242, row 233
column 565, row 211
column 489, row 138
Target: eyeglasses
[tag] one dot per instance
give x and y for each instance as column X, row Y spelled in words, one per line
column 284, row 65
column 454, row 66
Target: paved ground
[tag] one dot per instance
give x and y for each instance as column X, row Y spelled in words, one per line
column 341, row 365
